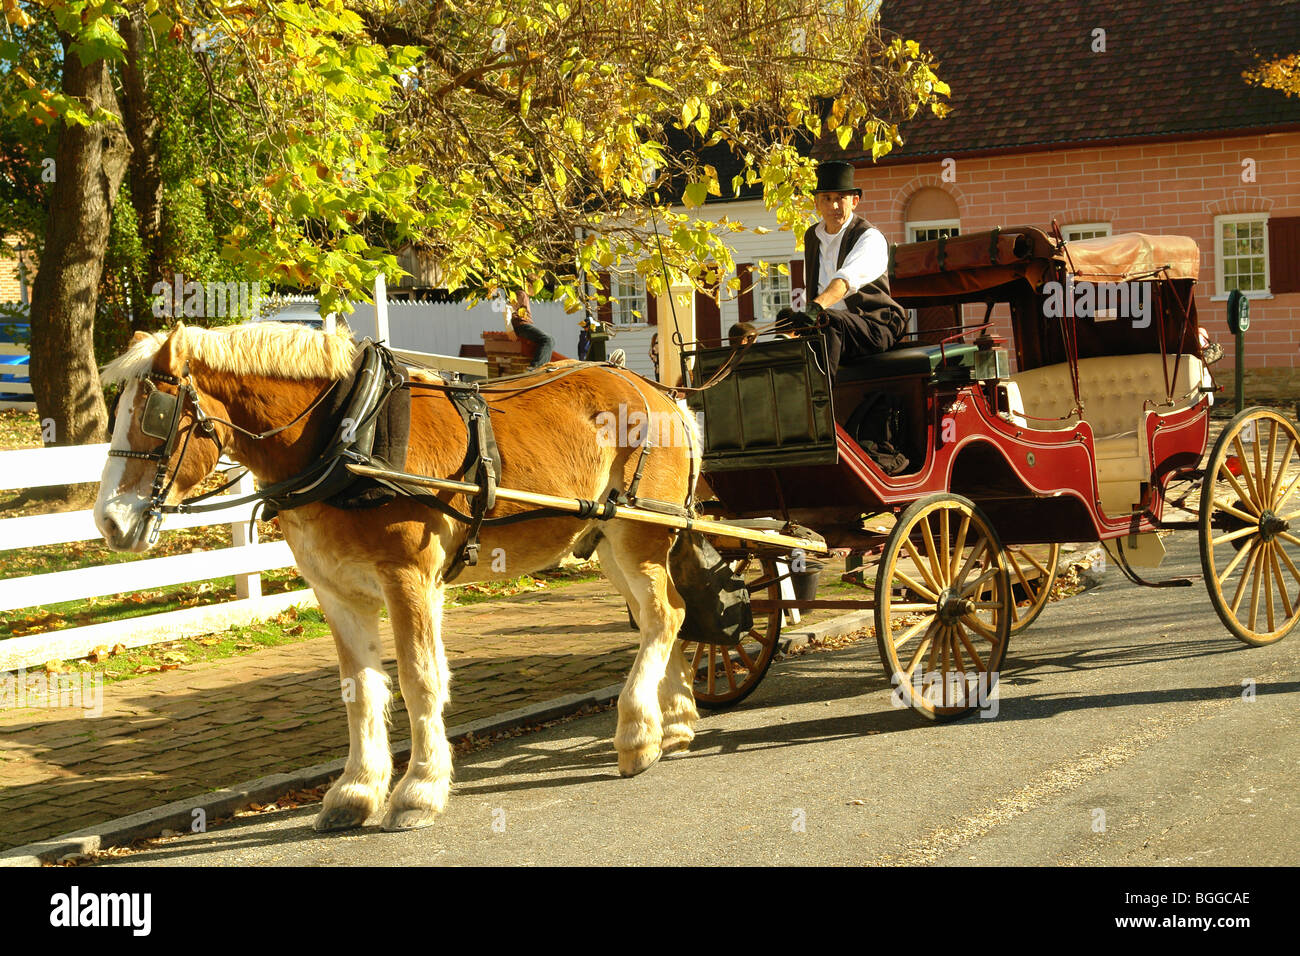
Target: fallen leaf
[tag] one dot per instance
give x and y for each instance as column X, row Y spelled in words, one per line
column 119, row 649
column 54, row 667
column 99, row 654
column 296, row 629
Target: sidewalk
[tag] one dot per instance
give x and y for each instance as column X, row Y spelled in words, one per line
column 174, row 735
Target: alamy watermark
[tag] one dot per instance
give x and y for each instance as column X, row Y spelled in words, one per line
column 194, row 299
column 632, row 428
column 1098, row 300
column 20, row 689
column 948, row 689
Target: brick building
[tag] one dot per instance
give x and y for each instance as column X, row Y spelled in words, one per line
column 1131, row 116
column 11, row 287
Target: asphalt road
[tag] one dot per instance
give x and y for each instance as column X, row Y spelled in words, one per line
column 1122, row 737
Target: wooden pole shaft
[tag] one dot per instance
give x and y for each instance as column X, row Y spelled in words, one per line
column 573, row 506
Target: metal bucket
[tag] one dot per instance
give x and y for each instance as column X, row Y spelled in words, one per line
column 805, row 581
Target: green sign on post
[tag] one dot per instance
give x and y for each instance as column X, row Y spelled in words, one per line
column 1238, row 323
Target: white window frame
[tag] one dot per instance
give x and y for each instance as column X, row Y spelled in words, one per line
column 910, row 230
column 770, row 296
column 1071, row 231
column 952, row 225
column 1219, row 285
column 626, row 302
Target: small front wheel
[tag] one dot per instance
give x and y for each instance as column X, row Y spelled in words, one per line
column 943, row 607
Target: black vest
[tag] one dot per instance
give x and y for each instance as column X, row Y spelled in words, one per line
column 873, row 300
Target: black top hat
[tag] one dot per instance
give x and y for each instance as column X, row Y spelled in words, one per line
column 836, row 177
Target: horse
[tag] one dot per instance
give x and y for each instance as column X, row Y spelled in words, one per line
column 237, row 389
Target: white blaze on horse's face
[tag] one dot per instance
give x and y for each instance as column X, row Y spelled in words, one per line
column 122, row 511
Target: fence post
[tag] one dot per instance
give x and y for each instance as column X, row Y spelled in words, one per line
column 381, row 309
column 242, row 533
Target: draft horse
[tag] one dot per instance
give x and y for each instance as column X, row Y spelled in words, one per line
column 236, row 389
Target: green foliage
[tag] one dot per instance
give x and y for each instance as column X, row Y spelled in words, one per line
column 514, row 142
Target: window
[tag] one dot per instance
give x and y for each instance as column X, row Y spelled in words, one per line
column 629, row 291
column 1086, row 230
column 1241, row 252
column 771, row 295
column 935, row 229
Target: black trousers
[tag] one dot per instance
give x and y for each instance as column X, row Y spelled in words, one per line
column 526, row 330
column 850, row 336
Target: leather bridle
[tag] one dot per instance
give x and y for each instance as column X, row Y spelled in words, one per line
column 161, row 419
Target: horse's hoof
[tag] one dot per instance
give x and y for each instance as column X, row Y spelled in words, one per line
column 409, row 819
column 676, row 744
column 638, row 761
column 340, row 818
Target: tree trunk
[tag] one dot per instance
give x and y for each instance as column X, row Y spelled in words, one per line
column 142, row 128
column 90, row 162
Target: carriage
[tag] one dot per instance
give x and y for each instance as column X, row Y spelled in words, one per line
column 956, row 512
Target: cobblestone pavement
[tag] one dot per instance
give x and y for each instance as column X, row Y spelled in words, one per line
column 205, row 726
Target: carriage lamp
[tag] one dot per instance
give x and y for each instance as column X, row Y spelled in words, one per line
column 990, row 362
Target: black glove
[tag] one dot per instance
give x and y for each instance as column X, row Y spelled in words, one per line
column 802, row 322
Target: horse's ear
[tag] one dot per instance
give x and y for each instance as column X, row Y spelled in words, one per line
column 171, row 356
column 139, row 337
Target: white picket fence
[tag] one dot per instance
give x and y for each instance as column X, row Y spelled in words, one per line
column 7, row 385
column 245, row 559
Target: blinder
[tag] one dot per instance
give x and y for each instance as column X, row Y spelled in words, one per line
column 160, row 414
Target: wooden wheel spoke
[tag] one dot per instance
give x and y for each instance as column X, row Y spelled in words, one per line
column 1295, row 572
column 935, row 647
column 1242, row 495
column 1275, row 481
column 992, row 572
column 1020, row 575
column 1281, row 584
column 916, row 588
column 958, row 546
column 912, row 608
column 944, row 557
column 1251, row 484
column 977, row 551
column 713, row 669
column 917, row 654
column 1268, row 583
column 1254, row 585
column 970, row 648
column 943, row 666
column 1288, row 536
column 1235, row 512
column 921, row 566
column 744, row 656
column 695, row 659
column 1290, row 489
column 1234, row 562
column 980, row 628
column 1264, row 499
column 730, row 667
column 1268, row 465
column 1234, row 535
column 1042, row 568
column 912, row 631
column 1245, row 576
column 936, row 578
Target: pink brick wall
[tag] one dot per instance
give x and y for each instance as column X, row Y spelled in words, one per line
column 1173, row 188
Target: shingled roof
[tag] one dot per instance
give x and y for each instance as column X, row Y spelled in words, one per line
column 1024, row 77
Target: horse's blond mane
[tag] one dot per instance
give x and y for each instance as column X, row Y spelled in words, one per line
column 272, row 349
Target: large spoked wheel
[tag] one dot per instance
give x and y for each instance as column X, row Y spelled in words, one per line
column 724, row 676
column 1032, row 569
column 1250, row 550
column 943, row 607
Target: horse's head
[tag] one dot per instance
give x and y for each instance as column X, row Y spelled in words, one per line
column 160, row 447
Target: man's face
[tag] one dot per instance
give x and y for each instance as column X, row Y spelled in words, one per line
column 835, row 209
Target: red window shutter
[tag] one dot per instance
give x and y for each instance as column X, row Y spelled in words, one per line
column 651, row 308
column 796, row 280
column 1284, row 255
column 605, row 311
column 708, row 317
column 745, row 271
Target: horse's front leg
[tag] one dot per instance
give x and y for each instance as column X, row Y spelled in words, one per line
column 415, row 609
column 361, row 789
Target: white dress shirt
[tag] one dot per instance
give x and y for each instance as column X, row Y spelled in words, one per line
column 866, row 261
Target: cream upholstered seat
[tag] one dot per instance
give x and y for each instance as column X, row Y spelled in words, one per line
column 1113, row 390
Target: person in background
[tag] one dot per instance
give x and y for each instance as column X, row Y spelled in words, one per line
column 846, row 264
column 521, row 324
column 654, row 353
column 742, row 333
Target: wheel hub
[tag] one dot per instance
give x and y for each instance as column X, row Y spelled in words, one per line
column 1270, row 525
column 952, row 607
